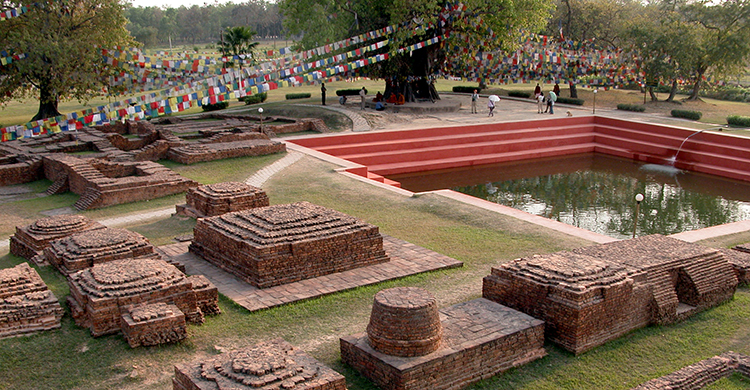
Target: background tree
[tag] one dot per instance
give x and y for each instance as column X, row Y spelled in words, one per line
column 322, row 21
column 63, row 40
column 722, row 38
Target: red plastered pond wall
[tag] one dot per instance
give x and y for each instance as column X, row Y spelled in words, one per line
column 393, row 152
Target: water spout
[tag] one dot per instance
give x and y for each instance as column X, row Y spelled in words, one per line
column 674, row 158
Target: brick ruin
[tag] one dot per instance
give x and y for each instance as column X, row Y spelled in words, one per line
column 739, row 258
column 118, row 165
column 103, row 183
column 209, row 124
column 280, row 244
column 153, row 324
column 701, row 374
column 30, row 241
column 103, row 296
column 270, row 365
column 26, row 304
column 594, row 294
column 220, row 198
column 86, row 249
column 410, row 345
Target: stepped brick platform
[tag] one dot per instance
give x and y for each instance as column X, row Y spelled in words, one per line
column 281, row 244
column 194, row 153
column 701, row 374
column 595, row 294
column 396, row 152
column 270, row 365
column 102, row 294
column 153, row 324
column 221, row 198
column 103, row 183
column 206, row 294
column 86, row 249
column 26, row 304
column 408, row 347
column 30, row 241
column 405, row 259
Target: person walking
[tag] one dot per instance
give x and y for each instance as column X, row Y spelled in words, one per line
column 552, row 100
column 537, row 90
column 474, row 98
column 491, row 106
column 362, row 95
column 540, row 103
column 323, row 93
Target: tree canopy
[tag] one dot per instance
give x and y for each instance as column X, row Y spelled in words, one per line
column 62, row 41
column 480, row 23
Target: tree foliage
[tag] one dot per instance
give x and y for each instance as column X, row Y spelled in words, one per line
column 155, row 26
column 323, row 21
column 63, row 40
column 237, row 40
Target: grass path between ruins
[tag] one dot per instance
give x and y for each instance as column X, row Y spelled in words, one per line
column 70, row 358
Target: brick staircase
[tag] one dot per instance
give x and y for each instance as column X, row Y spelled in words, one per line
column 395, row 152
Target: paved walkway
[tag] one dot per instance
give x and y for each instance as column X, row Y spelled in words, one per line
column 406, row 259
column 260, row 177
column 359, row 123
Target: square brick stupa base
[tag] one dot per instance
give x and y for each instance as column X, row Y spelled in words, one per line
column 480, row 339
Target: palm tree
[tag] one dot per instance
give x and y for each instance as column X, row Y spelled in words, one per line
column 236, row 41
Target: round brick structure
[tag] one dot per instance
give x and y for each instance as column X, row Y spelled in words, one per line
column 404, row 322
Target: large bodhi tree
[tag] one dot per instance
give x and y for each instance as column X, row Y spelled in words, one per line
column 324, row 21
column 63, row 42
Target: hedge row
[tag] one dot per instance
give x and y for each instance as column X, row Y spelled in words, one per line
column 465, row 89
column 631, row 107
column 216, row 106
column 738, row 120
column 302, row 95
column 254, row 99
column 348, row 92
column 576, row 102
column 519, row 94
column 687, row 114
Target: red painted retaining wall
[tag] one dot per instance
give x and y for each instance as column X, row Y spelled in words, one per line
column 392, row 152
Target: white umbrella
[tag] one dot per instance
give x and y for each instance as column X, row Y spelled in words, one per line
column 494, row 98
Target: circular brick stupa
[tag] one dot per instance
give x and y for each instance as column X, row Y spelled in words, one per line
column 29, row 241
column 83, row 250
column 100, row 295
column 405, row 322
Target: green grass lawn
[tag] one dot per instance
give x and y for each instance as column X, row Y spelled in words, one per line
column 70, row 358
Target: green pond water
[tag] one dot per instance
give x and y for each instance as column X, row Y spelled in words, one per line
column 596, row 193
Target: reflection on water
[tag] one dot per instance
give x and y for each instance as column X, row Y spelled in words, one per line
column 597, row 193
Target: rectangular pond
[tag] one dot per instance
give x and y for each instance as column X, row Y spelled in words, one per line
column 596, row 192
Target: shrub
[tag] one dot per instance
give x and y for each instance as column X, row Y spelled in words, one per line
column 519, row 94
column 687, row 114
column 216, row 106
column 631, row 107
column 737, row 120
column 254, row 99
column 348, row 92
column 576, row 102
column 303, row 95
column 465, row 89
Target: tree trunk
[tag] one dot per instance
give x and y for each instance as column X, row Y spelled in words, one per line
column 673, row 91
column 652, row 94
column 573, row 91
column 47, row 103
column 697, row 86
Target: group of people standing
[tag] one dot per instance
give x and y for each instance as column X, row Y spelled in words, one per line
column 550, row 99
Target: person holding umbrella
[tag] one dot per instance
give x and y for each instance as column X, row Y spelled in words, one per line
column 491, row 103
